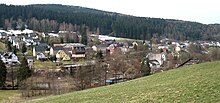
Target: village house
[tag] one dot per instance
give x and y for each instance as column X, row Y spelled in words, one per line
column 30, row 39
column 156, row 60
column 111, row 49
column 41, row 56
column 41, row 51
column 16, row 32
column 3, row 35
column 163, row 47
column 6, row 32
column 134, row 43
column 44, row 35
column 60, row 53
column 33, row 35
column 63, row 55
column 55, row 49
column 53, row 34
column 16, row 41
column 76, row 50
column 27, row 31
column 101, row 47
column 128, row 44
column 9, row 58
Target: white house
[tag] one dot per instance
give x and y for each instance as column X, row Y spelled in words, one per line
column 27, row 31
column 156, row 60
column 101, row 47
column 41, row 56
column 15, row 41
column 3, row 35
column 218, row 44
column 163, row 47
column 53, row 34
column 15, row 32
column 9, row 58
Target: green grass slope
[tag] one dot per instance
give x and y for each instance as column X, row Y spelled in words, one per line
column 2, row 47
column 6, row 95
column 197, row 83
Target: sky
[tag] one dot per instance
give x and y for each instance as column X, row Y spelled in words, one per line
column 203, row 11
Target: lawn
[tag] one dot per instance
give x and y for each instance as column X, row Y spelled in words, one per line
column 6, row 95
column 197, row 83
column 44, row 64
column 49, row 64
column 2, row 47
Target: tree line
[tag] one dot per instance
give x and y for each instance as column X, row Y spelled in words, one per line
column 51, row 17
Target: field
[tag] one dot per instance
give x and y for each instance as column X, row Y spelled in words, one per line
column 51, row 65
column 2, row 47
column 8, row 95
column 44, row 65
column 197, row 83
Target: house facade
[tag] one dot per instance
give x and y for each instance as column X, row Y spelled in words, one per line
column 41, row 56
column 9, row 58
column 76, row 50
column 156, row 60
column 41, row 48
column 3, row 35
column 63, row 55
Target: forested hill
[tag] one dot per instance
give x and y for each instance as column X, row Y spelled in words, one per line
column 70, row 9
column 54, row 17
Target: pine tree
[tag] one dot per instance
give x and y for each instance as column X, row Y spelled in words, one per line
column 14, row 50
column 53, row 58
column 24, row 48
column 8, row 46
column 84, row 36
column 3, row 72
column 24, row 71
column 61, row 40
column 99, row 55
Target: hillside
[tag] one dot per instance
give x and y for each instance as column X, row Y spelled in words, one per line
column 120, row 25
column 70, row 9
column 6, row 95
column 197, row 83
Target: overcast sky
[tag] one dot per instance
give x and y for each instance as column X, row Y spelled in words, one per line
column 203, row 11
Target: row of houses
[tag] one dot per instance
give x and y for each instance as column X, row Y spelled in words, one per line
column 18, row 37
column 66, row 51
column 17, row 32
column 18, row 41
column 169, row 49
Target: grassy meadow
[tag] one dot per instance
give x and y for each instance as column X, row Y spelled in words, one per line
column 197, row 83
column 8, row 95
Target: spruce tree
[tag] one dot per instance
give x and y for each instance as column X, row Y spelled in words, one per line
column 3, row 72
column 24, row 48
column 84, row 36
column 24, row 71
column 8, row 46
column 99, row 55
column 61, row 40
column 14, row 50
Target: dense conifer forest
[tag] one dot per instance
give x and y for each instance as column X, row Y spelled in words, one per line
column 54, row 17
